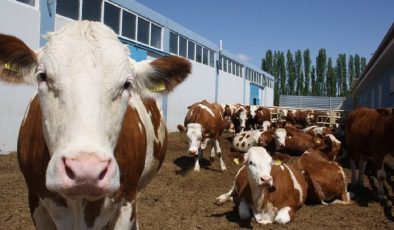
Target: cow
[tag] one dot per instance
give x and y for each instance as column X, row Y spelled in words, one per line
column 266, row 188
column 300, row 118
column 317, row 131
column 244, row 140
column 369, row 135
column 261, row 115
column 92, row 136
column 240, row 119
column 326, row 179
column 204, row 123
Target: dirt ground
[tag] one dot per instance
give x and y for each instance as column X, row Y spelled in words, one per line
column 179, row 198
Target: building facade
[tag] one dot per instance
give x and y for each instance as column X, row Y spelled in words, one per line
column 375, row 87
column 217, row 74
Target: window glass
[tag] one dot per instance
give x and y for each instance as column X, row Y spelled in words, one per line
column 155, row 36
column 205, row 56
column 211, row 58
column 91, row 10
column 182, row 46
column 199, row 53
column 128, row 25
column 240, row 71
column 143, row 31
column 68, row 8
column 190, row 50
column 111, row 16
column 173, row 43
column 224, row 64
column 30, row 2
column 230, row 66
column 237, row 70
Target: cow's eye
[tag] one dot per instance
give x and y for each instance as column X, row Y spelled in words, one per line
column 127, row 85
column 251, row 163
column 42, row 77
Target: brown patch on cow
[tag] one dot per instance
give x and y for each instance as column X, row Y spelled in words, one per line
column 243, row 144
column 237, row 145
column 92, row 211
column 33, row 157
column 247, row 136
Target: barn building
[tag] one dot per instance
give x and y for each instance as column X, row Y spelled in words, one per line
column 217, row 74
column 375, row 87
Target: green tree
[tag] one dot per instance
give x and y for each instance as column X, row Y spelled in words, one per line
column 344, row 75
column 321, row 65
column 351, row 71
column 363, row 64
column 314, row 86
column 267, row 62
column 282, row 73
column 291, row 73
column 307, row 71
column 357, row 66
column 299, row 73
column 331, row 79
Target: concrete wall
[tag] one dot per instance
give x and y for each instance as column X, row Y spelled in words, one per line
column 230, row 88
column 378, row 93
column 14, row 99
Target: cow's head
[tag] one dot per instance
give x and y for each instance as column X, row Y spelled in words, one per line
column 195, row 137
column 239, row 119
column 280, row 138
column 259, row 163
column 85, row 80
column 330, row 146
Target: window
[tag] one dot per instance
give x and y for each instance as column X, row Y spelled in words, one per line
column 29, row 2
column 205, row 56
column 91, row 10
column 190, row 50
column 173, row 43
column 211, row 58
column 199, row 53
column 182, row 46
column 224, row 64
column 111, row 16
column 128, row 25
column 237, row 70
column 68, row 8
column 229, row 66
column 155, row 36
column 240, row 70
column 143, row 31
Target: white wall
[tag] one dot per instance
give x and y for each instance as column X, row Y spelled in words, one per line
column 198, row 86
column 14, row 99
column 230, row 89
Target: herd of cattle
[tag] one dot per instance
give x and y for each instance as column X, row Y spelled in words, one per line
column 93, row 137
column 268, row 186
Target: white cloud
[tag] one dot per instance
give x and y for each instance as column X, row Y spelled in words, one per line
column 244, row 57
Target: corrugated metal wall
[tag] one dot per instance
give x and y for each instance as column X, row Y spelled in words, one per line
column 332, row 103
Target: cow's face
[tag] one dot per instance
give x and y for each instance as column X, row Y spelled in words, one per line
column 194, row 137
column 241, row 114
column 258, row 163
column 85, row 80
column 280, row 138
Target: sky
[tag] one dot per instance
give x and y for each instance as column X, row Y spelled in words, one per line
column 249, row 28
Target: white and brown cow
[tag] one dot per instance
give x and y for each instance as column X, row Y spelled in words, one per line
column 244, row 140
column 92, row 137
column 204, row 123
column 326, row 179
column 267, row 189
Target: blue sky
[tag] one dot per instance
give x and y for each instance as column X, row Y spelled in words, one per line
column 250, row 27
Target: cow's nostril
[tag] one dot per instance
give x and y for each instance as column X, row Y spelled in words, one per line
column 103, row 173
column 69, row 172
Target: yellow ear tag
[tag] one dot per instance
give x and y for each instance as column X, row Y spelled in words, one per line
column 277, row 162
column 236, row 160
column 318, row 141
column 159, row 87
column 9, row 67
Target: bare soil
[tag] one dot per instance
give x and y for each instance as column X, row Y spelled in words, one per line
column 179, row 198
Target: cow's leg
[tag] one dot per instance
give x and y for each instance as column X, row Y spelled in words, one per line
column 285, row 215
column 381, row 177
column 361, row 171
column 127, row 217
column 354, row 177
column 197, row 160
column 218, row 151
column 213, row 150
column 226, row 196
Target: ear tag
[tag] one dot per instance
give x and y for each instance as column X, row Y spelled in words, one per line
column 318, row 141
column 236, row 160
column 277, row 163
column 158, row 87
column 8, row 66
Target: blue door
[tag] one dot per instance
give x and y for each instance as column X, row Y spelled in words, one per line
column 254, row 94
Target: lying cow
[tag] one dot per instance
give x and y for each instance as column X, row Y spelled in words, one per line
column 89, row 141
column 326, row 179
column 244, row 140
column 317, row 131
column 369, row 135
column 204, row 123
column 267, row 189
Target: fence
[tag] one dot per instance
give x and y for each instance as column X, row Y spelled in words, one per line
column 315, row 102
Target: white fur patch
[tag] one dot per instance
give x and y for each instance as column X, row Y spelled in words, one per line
column 333, row 139
column 207, row 109
column 297, row 185
column 283, row 216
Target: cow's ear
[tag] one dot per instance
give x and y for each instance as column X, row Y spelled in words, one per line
column 17, row 61
column 161, row 75
column 181, row 128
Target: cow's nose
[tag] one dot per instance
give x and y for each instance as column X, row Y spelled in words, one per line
column 86, row 168
column 192, row 151
column 265, row 179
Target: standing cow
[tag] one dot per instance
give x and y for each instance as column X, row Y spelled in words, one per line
column 204, row 123
column 369, row 135
column 89, row 141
